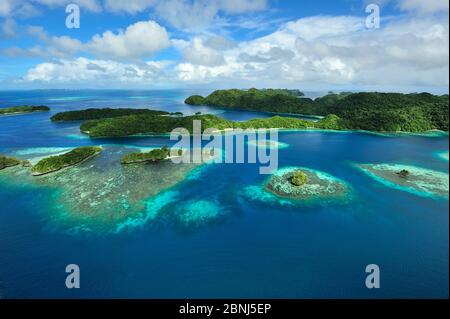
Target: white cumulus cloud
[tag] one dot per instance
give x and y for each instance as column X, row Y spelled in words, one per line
column 197, row 53
column 409, row 52
column 335, row 51
column 141, row 39
column 103, row 72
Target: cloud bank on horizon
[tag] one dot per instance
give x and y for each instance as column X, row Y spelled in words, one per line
column 225, row 43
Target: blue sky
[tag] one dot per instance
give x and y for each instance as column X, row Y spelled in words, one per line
column 310, row 45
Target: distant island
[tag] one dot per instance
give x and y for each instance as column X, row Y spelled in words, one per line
column 93, row 114
column 23, row 109
column 378, row 112
column 372, row 111
column 266, row 100
column 150, row 124
column 56, row 163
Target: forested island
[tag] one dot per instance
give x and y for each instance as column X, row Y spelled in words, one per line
column 149, row 124
column 56, row 163
column 373, row 111
column 381, row 112
column 93, row 114
column 267, row 100
column 155, row 155
column 6, row 161
column 306, row 185
column 413, row 179
column 23, row 109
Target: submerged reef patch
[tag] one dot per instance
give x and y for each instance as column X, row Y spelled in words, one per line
column 317, row 188
column 153, row 207
column 416, row 180
column 259, row 193
column 195, row 213
column 102, row 194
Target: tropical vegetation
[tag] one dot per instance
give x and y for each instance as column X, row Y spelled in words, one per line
column 268, row 100
column 55, row 163
column 6, row 161
column 299, row 178
column 23, row 109
column 371, row 111
column 403, row 173
column 93, row 113
column 149, row 124
column 155, row 155
column 392, row 111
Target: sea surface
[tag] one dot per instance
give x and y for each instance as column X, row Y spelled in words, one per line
column 208, row 236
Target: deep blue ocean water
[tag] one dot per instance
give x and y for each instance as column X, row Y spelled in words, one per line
column 257, row 249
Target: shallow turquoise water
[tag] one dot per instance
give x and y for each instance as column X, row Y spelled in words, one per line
column 239, row 247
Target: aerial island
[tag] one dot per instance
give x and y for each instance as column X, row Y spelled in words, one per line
column 93, row 114
column 153, row 124
column 371, row 111
column 6, row 161
column 294, row 185
column 378, row 112
column 155, row 155
column 56, row 163
column 305, row 184
column 300, row 186
column 413, row 179
column 23, row 109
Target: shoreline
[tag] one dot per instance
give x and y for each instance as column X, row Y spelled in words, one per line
column 383, row 134
column 310, row 129
column 297, row 115
column 149, row 160
column 380, row 133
